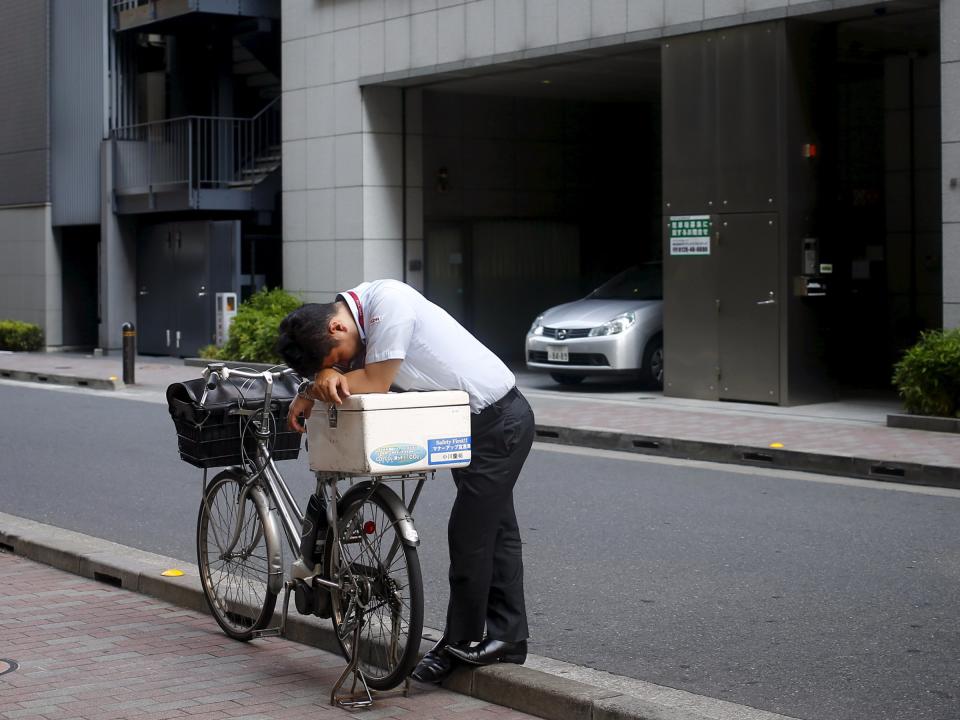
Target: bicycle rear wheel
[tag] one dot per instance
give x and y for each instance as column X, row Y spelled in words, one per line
column 235, row 575
column 383, row 587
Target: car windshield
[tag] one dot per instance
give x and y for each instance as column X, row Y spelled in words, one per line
column 642, row 282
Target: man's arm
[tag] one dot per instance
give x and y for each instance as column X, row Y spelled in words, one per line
column 330, row 386
column 377, row 377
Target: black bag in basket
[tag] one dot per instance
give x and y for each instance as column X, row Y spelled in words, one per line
column 216, row 434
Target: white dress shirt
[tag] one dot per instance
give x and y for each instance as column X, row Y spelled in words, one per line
column 398, row 323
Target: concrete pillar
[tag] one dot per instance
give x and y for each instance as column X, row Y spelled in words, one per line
column 343, row 156
column 30, row 270
column 950, row 137
column 382, row 202
column 118, row 262
column 413, row 159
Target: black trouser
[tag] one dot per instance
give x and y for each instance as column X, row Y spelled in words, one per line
column 486, row 566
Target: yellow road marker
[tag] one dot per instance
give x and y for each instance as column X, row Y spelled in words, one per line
column 172, row 573
column 776, row 444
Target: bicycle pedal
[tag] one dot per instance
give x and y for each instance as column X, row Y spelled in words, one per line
column 267, row 632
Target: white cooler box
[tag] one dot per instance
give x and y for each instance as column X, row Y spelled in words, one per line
column 389, row 433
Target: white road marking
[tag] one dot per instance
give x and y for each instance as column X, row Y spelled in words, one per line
column 748, row 470
column 156, row 397
column 149, row 396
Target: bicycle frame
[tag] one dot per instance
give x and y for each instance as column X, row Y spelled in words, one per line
column 282, row 516
column 266, row 476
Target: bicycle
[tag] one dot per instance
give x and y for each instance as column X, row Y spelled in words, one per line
column 367, row 562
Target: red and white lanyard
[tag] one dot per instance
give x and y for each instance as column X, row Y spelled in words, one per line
column 356, row 300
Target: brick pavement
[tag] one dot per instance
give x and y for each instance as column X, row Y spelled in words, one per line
column 752, row 428
column 90, row 651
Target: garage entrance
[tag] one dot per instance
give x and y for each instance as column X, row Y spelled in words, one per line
column 539, row 184
column 810, row 145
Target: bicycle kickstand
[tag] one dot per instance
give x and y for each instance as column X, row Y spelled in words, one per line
column 353, row 700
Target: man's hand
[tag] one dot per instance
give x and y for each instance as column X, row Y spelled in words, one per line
column 300, row 406
column 331, row 386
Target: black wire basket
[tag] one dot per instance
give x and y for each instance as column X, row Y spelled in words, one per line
column 221, row 432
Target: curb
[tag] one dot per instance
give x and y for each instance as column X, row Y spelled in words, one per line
column 924, row 422
column 901, row 472
column 517, row 687
column 111, row 383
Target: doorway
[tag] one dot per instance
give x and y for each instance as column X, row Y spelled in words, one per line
column 80, row 261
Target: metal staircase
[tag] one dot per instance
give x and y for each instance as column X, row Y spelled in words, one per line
column 263, row 165
column 196, row 162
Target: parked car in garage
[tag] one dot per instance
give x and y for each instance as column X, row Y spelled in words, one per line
column 615, row 330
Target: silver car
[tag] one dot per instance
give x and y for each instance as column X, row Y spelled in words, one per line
column 616, row 329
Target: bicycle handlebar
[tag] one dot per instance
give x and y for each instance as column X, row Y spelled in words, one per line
column 214, row 373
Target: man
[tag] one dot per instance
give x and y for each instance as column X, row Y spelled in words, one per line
column 383, row 334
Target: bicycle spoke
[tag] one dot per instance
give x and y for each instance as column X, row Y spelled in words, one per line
column 236, row 582
column 379, row 570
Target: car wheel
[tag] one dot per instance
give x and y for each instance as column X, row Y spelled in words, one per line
column 567, row 379
column 652, row 371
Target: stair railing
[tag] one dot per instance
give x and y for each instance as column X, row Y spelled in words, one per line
column 196, row 152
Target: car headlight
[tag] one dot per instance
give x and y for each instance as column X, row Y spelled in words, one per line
column 537, row 327
column 617, row 325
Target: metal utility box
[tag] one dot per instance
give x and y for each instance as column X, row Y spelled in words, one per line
column 389, row 433
column 181, row 267
column 226, row 312
column 738, row 198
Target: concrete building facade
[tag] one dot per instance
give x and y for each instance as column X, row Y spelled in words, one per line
column 129, row 125
column 372, row 89
column 500, row 155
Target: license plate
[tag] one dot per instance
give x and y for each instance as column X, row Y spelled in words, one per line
column 558, row 353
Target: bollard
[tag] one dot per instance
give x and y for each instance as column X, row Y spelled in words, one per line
column 129, row 352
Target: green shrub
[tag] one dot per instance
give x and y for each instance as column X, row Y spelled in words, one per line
column 253, row 333
column 16, row 335
column 928, row 375
column 209, row 352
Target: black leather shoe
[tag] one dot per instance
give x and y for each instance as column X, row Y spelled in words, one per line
column 490, row 652
column 436, row 665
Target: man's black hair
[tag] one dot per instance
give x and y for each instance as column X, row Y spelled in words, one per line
column 304, row 339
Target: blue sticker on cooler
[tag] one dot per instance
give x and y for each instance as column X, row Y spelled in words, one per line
column 398, row 454
column 448, row 451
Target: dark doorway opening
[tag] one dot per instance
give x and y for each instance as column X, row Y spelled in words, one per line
column 539, row 184
column 80, row 260
column 882, row 230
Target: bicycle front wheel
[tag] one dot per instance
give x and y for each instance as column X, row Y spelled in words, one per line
column 382, row 588
column 234, row 555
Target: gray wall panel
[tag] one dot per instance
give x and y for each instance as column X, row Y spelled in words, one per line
column 24, row 127
column 77, row 109
column 23, row 177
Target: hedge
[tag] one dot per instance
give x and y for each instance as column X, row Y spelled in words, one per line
column 928, row 375
column 253, row 333
column 22, row 336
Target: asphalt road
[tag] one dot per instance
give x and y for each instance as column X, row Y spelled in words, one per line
column 811, row 597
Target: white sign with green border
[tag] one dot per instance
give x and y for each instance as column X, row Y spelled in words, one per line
column 689, row 234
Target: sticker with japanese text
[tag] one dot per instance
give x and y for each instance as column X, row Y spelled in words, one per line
column 448, row 451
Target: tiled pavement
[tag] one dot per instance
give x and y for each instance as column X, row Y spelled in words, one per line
column 754, row 427
column 90, row 651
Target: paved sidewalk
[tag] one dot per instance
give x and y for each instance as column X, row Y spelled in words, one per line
column 91, row 651
column 127, row 652
column 846, row 438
